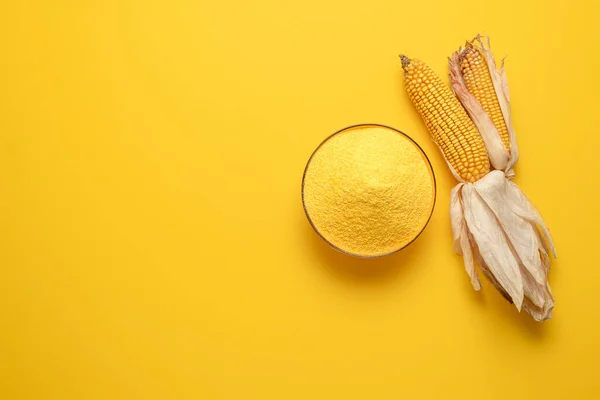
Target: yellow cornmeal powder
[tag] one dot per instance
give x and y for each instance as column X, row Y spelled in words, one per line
column 368, row 190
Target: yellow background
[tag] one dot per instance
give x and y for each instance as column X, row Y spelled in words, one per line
column 152, row 239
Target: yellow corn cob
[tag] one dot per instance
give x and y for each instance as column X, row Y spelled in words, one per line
column 448, row 123
column 478, row 81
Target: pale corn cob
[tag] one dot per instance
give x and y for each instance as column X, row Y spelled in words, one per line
column 448, row 123
column 478, row 81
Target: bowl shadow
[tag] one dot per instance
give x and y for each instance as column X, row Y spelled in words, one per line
column 363, row 271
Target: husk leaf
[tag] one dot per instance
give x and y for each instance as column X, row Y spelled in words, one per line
column 506, row 244
column 520, row 205
column 518, row 230
column 462, row 244
column 492, row 244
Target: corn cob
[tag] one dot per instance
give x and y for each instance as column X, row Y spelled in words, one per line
column 448, row 123
column 478, row 81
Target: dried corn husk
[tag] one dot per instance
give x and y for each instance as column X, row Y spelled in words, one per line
column 493, row 223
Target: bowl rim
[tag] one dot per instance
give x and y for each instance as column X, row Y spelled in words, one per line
column 363, row 126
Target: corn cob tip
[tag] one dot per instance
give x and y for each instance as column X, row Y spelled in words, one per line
column 405, row 61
